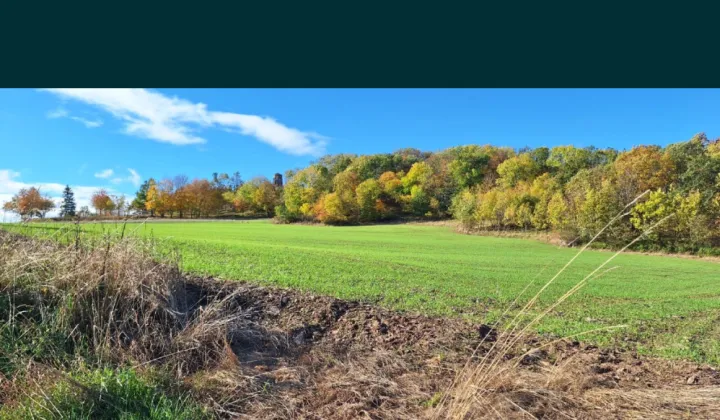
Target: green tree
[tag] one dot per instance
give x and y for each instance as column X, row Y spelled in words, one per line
column 558, row 213
column 687, row 227
column 598, row 208
column 566, row 161
column 469, row 166
column 334, row 210
column 543, row 188
column 140, row 199
column 419, row 201
column 464, row 208
column 517, row 169
column 368, row 194
column 418, row 174
column 696, row 166
column 334, row 164
column 305, row 187
column 371, row 166
column 67, row 207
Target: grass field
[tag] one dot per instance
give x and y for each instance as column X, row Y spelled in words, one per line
column 671, row 306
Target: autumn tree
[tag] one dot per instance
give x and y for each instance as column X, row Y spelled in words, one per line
column 516, row 169
column 464, row 208
column 204, row 199
column 568, row 190
column 266, row 197
column 102, row 202
column 643, row 168
column 344, row 199
column 29, row 203
column 151, row 196
column 688, row 227
column 165, row 200
column 243, row 198
column 418, row 175
column 303, row 189
column 598, row 208
column 368, row 198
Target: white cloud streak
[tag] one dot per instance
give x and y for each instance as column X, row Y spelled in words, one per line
column 134, row 178
column 88, row 123
column 58, row 113
column 64, row 113
column 104, row 174
column 150, row 114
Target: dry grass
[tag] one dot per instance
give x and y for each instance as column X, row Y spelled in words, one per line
column 494, row 385
column 246, row 351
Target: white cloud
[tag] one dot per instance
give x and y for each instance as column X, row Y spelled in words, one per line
column 88, row 123
column 104, row 174
column 58, row 113
column 134, row 178
column 152, row 115
column 10, row 184
column 64, row 113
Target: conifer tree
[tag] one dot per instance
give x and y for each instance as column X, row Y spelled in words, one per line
column 67, row 208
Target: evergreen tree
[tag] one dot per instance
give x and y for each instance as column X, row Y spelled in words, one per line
column 141, row 197
column 67, row 208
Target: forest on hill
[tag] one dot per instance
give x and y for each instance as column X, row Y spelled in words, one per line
column 567, row 190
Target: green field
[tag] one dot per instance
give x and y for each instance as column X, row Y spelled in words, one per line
column 671, row 306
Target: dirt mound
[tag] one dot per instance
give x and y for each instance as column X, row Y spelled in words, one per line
column 320, row 357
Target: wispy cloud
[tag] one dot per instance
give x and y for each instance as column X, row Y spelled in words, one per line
column 104, row 174
column 64, row 113
column 58, row 113
column 152, row 115
column 134, row 178
column 88, row 123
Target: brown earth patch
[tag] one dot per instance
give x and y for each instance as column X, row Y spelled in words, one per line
column 329, row 358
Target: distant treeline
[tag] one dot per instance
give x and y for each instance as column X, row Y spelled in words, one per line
column 568, row 190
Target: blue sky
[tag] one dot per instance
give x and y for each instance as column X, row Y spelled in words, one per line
column 116, row 138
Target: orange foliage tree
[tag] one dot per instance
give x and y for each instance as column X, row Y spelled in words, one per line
column 29, row 203
column 102, row 202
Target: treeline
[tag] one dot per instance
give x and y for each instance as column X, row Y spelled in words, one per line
column 223, row 194
column 176, row 197
column 569, row 190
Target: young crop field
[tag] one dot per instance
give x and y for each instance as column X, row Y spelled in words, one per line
column 667, row 306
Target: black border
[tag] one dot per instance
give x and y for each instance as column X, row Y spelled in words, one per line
column 357, row 45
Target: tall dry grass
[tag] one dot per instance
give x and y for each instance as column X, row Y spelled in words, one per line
column 474, row 391
column 103, row 301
